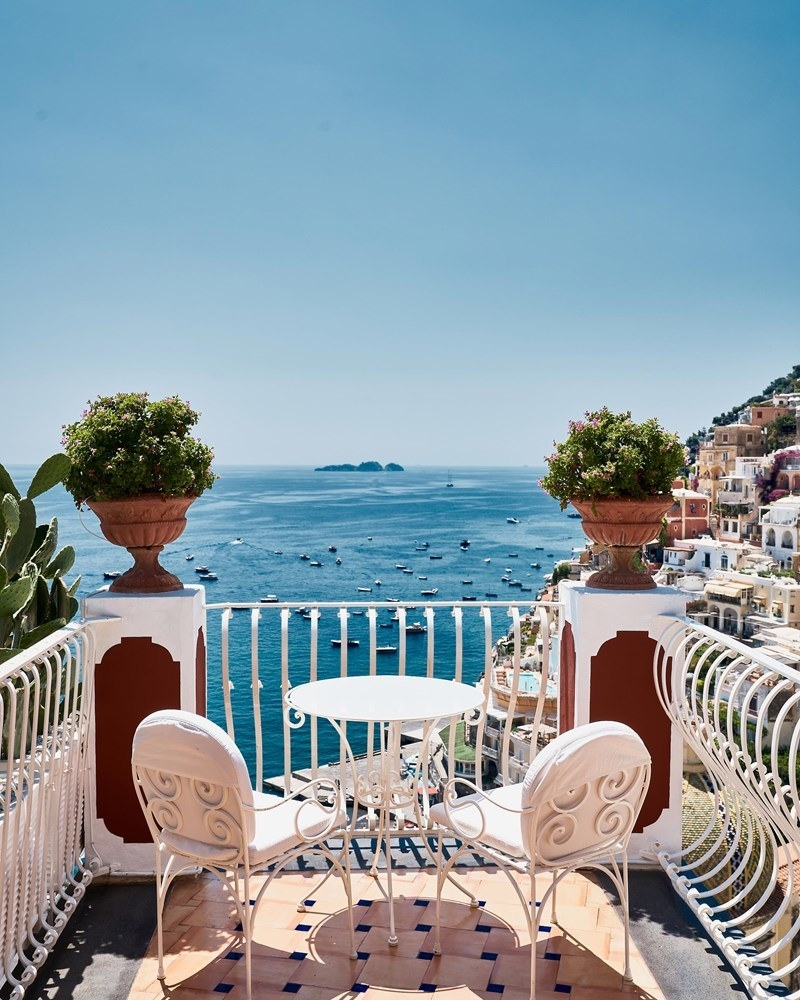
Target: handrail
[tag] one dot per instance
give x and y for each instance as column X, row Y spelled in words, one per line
column 738, row 710
column 45, row 699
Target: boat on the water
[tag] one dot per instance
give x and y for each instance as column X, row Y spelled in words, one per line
column 467, row 583
column 468, row 597
column 490, row 593
column 189, row 557
column 201, row 569
column 512, row 520
column 386, row 649
column 111, row 574
column 304, row 556
column 315, row 562
column 434, row 557
column 331, row 548
column 350, row 642
column 431, row 592
column 364, row 590
column 209, row 576
column 416, row 627
column 269, row 599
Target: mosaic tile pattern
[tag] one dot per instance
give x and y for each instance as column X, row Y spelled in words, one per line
column 485, row 951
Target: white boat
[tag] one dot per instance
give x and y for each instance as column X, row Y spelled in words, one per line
column 201, row 569
column 400, row 566
column 512, row 520
column 270, row 599
column 189, row 558
column 386, row 649
column 430, row 593
column 237, row 541
column 364, row 590
column 416, row 628
column 350, row 642
column 407, row 570
column 315, row 562
column 377, row 583
column 209, row 576
column 466, row 583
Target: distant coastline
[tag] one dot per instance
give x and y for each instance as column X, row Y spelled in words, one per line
column 362, row 467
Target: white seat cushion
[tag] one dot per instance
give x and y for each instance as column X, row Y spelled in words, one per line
column 501, row 828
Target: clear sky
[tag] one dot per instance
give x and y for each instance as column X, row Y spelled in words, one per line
column 421, row 231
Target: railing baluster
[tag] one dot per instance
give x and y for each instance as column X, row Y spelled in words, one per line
column 255, row 685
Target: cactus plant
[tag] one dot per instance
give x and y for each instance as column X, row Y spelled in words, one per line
column 34, row 599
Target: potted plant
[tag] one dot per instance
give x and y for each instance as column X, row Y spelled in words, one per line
column 618, row 474
column 138, row 467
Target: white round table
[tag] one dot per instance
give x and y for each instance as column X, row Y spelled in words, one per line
column 388, row 700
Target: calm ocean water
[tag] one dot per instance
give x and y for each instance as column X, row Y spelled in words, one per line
column 252, row 527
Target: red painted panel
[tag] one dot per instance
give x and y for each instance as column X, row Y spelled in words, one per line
column 566, row 680
column 623, row 689
column 200, row 673
column 134, row 678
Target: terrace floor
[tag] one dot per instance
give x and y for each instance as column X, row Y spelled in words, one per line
column 485, row 952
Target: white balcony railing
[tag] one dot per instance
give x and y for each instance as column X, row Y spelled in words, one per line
column 264, row 649
column 738, row 711
column 45, row 694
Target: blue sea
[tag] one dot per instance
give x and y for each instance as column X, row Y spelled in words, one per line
column 254, row 525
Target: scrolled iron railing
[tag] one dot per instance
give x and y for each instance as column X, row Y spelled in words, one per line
column 45, row 698
column 738, row 710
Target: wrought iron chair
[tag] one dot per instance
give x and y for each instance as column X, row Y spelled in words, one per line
column 202, row 811
column 576, row 808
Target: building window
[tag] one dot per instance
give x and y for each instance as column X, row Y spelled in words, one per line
column 723, row 562
column 749, row 438
column 707, row 560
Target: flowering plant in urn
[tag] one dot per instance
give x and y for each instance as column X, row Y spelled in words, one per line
column 138, row 467
column 618, row 474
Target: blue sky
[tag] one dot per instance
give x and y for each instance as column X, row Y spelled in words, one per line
column 420, row 232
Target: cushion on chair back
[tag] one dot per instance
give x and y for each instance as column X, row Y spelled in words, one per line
column 586, row 788
column 200, row 806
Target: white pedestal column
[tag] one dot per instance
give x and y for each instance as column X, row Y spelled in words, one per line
column 606, row 672
column 150, row 655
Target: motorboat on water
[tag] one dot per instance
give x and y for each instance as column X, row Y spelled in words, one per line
column 415, row 628
column 386, row 649
column 431, row 592
column 364, row 590
column 512, row 520
column 269, row 599
column 350, row 642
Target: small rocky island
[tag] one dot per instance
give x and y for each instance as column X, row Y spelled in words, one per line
column 363, row 467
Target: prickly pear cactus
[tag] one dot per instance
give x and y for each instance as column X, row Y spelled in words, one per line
column 34, row 599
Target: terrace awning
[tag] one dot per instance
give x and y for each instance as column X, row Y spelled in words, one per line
column 728, row 589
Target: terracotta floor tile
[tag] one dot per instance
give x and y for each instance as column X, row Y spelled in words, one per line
column 212, row 914
column 458, row 941
column 337, row 972
column 586, row 970
column 458, row 970
column 591, row 945
column 393, row 972
column 269, row 972
column 409, row 944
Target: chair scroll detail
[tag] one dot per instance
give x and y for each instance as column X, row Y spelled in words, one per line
column 202, row 812
column 576, row 808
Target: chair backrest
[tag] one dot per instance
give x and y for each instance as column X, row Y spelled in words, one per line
column 193, row 784
column 583, row 792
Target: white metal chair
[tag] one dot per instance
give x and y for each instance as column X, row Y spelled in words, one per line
column 202, row 812
column 576, row 808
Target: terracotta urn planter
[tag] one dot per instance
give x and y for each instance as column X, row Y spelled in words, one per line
column 623, row 526
column 143, row 525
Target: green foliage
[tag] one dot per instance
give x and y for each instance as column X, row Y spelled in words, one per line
column 608, row 455
column 561, row 572
column 34, row 600
column 127, row 445
column 785, row 383
column 782, row 433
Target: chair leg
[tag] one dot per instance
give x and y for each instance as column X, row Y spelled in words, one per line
column 247, row 928
column 440, row 879
column 533, row 924
column 160, row 899
column 555, row 890
column 627, row 975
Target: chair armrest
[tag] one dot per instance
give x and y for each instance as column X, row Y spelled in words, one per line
column 322, row 795
column 457, row 808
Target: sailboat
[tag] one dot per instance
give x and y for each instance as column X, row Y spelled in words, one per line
column 449, row 478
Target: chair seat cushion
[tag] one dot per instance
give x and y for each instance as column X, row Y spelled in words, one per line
column 476, row 813
column 277, row 822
